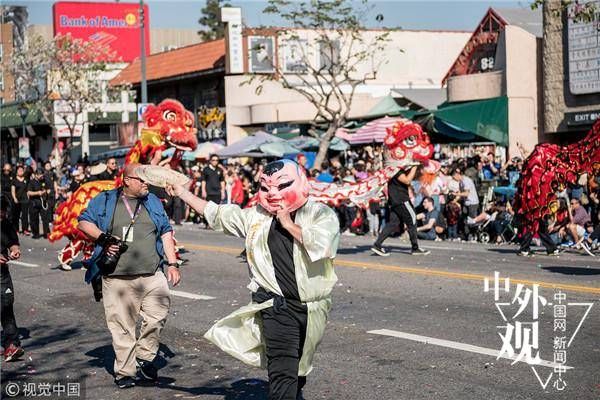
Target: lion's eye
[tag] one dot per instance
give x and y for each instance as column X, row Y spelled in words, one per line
column 169, row 115
column 410, row 141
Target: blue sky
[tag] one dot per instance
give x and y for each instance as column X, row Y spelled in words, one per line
column 424, row 14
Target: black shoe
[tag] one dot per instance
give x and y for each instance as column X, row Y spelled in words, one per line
column 380, row 251
column 147, row 370
column 554, row 252
column 419, row 252
column 524, row 253
column 125, row 383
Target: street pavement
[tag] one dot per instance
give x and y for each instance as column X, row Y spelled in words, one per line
column 401, row 327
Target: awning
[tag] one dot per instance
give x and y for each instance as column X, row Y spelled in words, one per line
column 481, row 119
column 309, row 142
column 116, row 153
column 428, row 99
column 372, row 132
column 387, row 106
column 248, row 146
column 10, row 118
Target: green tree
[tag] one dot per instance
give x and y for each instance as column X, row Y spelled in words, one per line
column 332, row 32
column 213, row 28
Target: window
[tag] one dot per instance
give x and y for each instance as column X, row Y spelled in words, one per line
column 1, row 52
column 2, row 80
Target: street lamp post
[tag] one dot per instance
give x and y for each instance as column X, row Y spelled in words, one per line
column 23, row 112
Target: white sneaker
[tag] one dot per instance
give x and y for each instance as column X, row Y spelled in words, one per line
column 65, row 267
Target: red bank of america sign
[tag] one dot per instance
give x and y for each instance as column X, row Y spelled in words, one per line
column 114, row 24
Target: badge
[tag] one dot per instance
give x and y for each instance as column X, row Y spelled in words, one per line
column 129, row 237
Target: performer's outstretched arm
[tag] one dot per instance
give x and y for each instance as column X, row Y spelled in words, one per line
column 195, row 202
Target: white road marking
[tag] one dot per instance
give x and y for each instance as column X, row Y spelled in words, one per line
column 456, row 345
column 23, row 264
column 441, row 247
column 188, row 295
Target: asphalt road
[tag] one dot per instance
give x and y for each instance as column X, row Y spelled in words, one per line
column 436, row 328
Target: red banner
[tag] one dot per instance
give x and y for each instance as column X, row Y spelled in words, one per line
column 114, row 24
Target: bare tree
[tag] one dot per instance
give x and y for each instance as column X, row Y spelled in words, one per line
column 348, row 57
column 61, row 79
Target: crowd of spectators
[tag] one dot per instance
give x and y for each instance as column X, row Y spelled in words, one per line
column 458, row 202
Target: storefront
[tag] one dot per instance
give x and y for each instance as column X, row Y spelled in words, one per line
column 32, row 136
column 417, row 59
column 193, row 75
column 493, row 88
column 571, row 65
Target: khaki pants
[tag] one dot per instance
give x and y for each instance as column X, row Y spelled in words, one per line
column 125, row 300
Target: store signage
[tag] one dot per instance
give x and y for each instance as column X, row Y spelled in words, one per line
column 232, row 17
column 116, row 25
column 582, row 118
column 583, row 41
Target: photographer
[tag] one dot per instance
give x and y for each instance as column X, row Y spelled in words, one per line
column 133, row 236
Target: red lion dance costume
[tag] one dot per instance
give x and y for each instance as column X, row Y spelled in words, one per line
column 548, row 170
column 406, row 145
column 166, row 125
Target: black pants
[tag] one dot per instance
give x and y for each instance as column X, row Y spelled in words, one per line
column 284, row 331
column 178, row 210
column 35, row 212
column 9, row 324
column 49, row 211
column 596, row 234
column 21, row 211
column 400, row 215
column 544, row 237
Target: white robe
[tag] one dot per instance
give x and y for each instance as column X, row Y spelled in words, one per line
column 239, row 334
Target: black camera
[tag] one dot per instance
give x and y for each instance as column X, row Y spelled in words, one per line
column 108, row 262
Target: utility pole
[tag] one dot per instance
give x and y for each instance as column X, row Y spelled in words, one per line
column 143, row 54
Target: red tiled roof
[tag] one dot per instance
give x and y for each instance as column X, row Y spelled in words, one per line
column 185, row 60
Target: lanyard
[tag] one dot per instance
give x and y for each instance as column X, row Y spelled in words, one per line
column 132, row 214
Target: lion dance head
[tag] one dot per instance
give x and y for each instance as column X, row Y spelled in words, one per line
column 166, row 125
column 406, row 144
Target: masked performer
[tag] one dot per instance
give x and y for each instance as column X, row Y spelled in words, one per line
column 291, row 243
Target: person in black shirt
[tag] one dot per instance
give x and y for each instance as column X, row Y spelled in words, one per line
column 112, row 169
column 7, row 177
column 213, row 183
column 402, row 213
column 38, row 204
column 21, row 201
column 9, row 251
